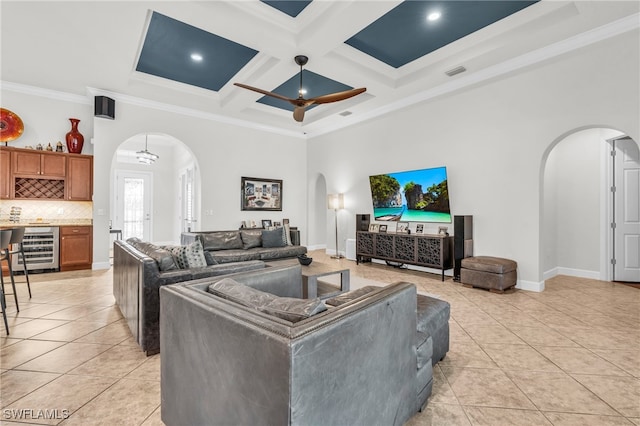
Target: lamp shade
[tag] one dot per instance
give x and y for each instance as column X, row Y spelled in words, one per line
column 335, row 201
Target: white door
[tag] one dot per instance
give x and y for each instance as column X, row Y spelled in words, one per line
column 626, row 235
column 133, row 199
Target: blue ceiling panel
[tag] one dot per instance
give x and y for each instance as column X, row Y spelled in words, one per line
column 404, row 33
column 168, row 47
column 290, row 7
column 315, row 84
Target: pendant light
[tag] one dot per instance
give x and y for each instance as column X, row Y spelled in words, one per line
column 146, row 157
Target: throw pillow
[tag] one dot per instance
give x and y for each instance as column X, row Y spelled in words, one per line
column 287, row 308
column 273, row 238
column 179, row 255
column 251, row 239
column 209, row 258
column 195, row 255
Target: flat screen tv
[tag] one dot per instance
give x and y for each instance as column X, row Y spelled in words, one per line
column 411, row 196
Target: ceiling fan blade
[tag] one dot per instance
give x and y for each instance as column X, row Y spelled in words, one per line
column 264, row 92
column 338, row 96
column 298, row 113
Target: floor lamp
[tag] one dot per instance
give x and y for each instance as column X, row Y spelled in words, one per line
column 336, row 202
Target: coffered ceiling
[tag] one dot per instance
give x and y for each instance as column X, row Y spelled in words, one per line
column 186, row 55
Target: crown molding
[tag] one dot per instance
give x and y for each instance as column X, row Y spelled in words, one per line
column 45, row 93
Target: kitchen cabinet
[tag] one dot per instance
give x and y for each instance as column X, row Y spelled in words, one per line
column 76, row 247
column 79, row 180
column 5, row 175
column 39, row 164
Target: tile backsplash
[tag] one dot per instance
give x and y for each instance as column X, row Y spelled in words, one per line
column 47, row 210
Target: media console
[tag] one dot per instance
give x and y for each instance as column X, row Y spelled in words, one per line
column 432, row 251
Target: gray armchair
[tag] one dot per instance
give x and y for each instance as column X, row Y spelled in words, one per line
column 224, row 363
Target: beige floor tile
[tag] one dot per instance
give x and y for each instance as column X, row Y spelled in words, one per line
column 518, row 357
column 579, row 361
column 485, row 387
column 8, row 341
column 15, row 384
column 126, row 402
column 442, row 392
column 492, row 334
column 148, row 370
column 467, row 355
column 602, row 339
column 622, row 393
column 629, row 361
column 570, row 419
column 634, row 420
column 65, row 358
column 115, row 362
column 485, row 416
column 71, row 331
column 436, row 414
column 154, row 419
column 25, row 350
column 65, row 393
column 558, row 392
column 457, row 334
column 113, row 334
column 35, row 326
column 541, row 336
column 108, row 315
column 37, row 310
column 74, row 312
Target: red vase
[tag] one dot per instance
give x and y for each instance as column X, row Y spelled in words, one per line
column 75, row 140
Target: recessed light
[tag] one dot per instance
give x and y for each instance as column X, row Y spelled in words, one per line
column 434, row 16
column 196, row 57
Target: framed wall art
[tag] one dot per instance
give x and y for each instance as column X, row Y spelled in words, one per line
column 261, row 194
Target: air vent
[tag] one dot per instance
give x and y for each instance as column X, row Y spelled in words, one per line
column 345, row 113
column 456, row 70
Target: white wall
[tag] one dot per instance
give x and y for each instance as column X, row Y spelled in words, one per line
column 493, row 139
column 572, row 220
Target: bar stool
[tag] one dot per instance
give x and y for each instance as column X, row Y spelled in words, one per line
column 5, row 241
column 17, row 236
column 5, row 237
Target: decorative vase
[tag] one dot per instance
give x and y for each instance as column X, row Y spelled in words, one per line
column 75, row 140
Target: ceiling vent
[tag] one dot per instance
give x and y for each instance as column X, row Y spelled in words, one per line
column 456, row 70
column 345, row 113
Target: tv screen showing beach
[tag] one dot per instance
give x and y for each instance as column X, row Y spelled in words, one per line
column 411, row 196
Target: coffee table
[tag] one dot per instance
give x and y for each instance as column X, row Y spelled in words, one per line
column 311, row 273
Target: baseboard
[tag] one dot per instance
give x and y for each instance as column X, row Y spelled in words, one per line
column 316, row 247
column 572, row 272
column 530, row 286
column 100, row 265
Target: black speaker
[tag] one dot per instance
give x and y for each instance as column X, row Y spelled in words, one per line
column 104, row 107
column 462, row 242
column 362, row 222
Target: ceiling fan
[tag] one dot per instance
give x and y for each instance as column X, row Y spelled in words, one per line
column 301, row 103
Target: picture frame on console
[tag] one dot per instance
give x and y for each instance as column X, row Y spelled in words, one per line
column 402, row 228
column 374, row 227
column 420, row 228
column 383, row 229
column 266, row 223
column 260, row 194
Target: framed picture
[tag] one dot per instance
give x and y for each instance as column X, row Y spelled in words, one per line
column 285, row 221
column 277, row 224
column 419, row 228
column 266, row 223
column 261, row 194
column 402, row 227
column 373, row 227
column 383, row 228
column 443, row 230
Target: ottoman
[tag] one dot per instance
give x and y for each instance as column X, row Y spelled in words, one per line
column 492, row 273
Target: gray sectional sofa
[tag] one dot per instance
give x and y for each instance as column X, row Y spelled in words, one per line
column 246, row 244
column 233, row 358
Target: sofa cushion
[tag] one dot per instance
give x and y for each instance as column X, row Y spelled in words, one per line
column 351, row 295
column 494, row 265
column 273, row 238
column 279, row 252
column 237, row 255
column 251, row 239
column 221, row 240
column 287, row 308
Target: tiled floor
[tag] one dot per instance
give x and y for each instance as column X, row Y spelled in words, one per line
column 569, row 355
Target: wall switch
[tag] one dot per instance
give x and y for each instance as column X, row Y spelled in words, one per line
column 60, row 211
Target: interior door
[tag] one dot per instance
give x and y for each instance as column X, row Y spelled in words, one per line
column 133, row 200
column 626, row 235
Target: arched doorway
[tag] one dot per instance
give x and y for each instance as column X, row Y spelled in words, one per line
column 158, row 200
column 577, row 205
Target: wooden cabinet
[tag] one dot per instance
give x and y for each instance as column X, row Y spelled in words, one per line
column 5, row 174
column 79, row 183
column 432, row 251
column 76, row 247
column 41, row 165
